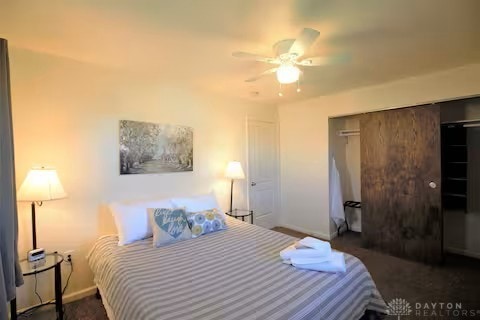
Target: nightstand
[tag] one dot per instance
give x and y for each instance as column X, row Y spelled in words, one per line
column 51, row 261
column 241, row 214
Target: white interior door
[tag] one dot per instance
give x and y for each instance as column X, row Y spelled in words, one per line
column 262, row 169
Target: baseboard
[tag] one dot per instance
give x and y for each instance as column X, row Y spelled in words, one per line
column 69, row 297
column 333, row 235
column 79, row 294
column 463, row 252
column 315, row 234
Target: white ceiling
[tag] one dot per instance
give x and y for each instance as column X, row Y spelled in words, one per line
column 192, row 41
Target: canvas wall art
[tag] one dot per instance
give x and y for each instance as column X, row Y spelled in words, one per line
column 155, row 148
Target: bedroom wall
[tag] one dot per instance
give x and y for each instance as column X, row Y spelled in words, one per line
column 304, row 141
column 66, row 115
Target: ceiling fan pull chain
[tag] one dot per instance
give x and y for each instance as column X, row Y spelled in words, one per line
column 280, row 94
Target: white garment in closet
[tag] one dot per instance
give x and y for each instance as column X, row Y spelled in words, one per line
column 336, row 198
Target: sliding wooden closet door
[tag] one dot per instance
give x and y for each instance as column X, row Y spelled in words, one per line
column 401, row 177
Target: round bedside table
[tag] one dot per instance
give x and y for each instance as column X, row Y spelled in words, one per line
column 241, row 214
column 51, row 261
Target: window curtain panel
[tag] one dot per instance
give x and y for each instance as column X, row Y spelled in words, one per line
column 10, row 272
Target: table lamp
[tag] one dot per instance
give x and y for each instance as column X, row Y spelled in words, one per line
column 234, row 171
column 41, row 184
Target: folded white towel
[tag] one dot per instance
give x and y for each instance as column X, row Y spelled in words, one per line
column 292, row 252
column 296, row 260
column 285, row 254
column 335, row 264
column 314, row 243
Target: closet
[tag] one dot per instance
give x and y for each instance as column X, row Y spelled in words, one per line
column 461, row 176
column 345, row 149
column 454, row 166
column 416, row 172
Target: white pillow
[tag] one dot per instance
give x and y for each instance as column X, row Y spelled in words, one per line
column 132, row 220
column 197, row 203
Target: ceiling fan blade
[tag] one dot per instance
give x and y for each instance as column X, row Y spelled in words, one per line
column 256, row 57
column 322, row 61
column 264, row 73
column 306, row 38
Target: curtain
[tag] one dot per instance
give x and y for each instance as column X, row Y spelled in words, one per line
column 10, row 273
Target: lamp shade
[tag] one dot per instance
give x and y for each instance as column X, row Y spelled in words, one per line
column 41, row 185
column 234, row 170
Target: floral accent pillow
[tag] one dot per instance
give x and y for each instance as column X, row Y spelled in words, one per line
column 169, row 225
column 206, row 221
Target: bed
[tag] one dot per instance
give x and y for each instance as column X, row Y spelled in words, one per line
column 230, row 274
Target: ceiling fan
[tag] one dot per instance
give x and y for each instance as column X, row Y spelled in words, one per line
column 287, row 54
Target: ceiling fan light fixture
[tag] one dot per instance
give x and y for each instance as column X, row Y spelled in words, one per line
column 287, row 73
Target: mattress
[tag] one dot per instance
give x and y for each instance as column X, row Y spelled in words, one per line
column 231, row 274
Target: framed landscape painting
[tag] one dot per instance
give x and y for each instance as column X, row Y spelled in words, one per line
column 155, row 148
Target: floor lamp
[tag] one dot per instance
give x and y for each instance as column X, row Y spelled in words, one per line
column 234, row 171
column 41, row 184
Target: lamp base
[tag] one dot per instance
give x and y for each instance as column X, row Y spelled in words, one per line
column 231, row 195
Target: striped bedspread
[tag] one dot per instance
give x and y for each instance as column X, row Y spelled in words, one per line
column 234, row 274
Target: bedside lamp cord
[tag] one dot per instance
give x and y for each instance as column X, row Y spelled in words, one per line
column 36, row 292
column 68, row 278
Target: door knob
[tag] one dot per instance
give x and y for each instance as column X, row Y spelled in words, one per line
column 432, row 185
column 253, row 184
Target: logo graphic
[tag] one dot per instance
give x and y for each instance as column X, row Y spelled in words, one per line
column 399, row 307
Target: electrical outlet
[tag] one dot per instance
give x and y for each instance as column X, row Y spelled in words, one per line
column 67, row 255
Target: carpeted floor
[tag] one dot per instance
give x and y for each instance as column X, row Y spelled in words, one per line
column 457, row 281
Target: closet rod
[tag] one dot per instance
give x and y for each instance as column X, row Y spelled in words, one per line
column 464, row 122
column 471, row 125
column 347, row 133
